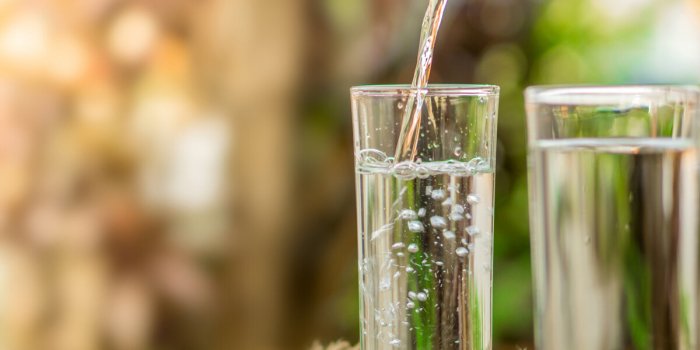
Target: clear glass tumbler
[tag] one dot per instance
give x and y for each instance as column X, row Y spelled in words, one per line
column 426, row 224
column 614, row 216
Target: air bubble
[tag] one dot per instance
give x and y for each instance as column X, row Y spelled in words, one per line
column 473, row 230
column 462, row 252
column 473, row 199
column 447, row 202
column 412, row 295
column 398, row 245
column 439, row 263
column 458, row 152
column 415, row 226
column 448, row 234
column 395, row 342
column 408, row 214
column 405, row 170
column 413, row 248
column 385, row 284
column 371, row 156
column 423, row 172
column 409, row 269
column 456, row 217
column 421, row 212
column 410, row 305
column 476, row 164
column 438, row 222
column 421, row 296
column 438, row 194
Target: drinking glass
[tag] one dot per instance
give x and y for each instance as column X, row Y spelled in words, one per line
column 425, row 224
column 614, row 214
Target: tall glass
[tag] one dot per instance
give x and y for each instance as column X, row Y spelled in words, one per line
column 426, row 225
column 614, row 214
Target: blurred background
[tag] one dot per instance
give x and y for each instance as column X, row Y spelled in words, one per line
column 178, row 174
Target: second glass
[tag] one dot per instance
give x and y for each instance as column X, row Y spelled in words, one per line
column 614, row 211
column 426, row 224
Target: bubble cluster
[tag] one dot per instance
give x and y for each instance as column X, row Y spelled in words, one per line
column 408, row 170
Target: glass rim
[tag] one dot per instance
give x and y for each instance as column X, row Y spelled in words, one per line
column 401, row 90
column 607, row 94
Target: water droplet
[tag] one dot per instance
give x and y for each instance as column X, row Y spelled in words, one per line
column 409, row 269
column 397, row 275
column 398, row 245
column 462, row 252
column 421, row 296
column 439, row 263
column 448, row 234
column 399, row 254
column 473, row 230
column 464, row 241
column 438, row 194
column 408, row 214
column 473, row 199
column 412, row 295
column 395, row 342
column 458, row 152
column 458, row 208
column 415, row 226
column 413, row 248
column 421, row 212
column 410, row 305
column 438, row 222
